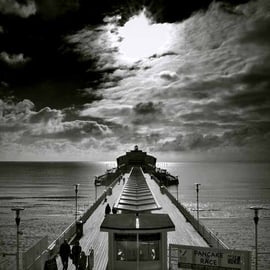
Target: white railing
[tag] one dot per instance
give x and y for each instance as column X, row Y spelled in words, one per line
column 206, row 233
column 38, row 259
column 35, row 255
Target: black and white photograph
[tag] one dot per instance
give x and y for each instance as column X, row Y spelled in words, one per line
column 134, row 134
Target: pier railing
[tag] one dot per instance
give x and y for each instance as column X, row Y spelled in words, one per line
column 38, row 258
column 205, row 232
column 36, row 255
column 70, row 232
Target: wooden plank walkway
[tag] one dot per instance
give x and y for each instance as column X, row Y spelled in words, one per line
column 184, row 233
column 92, row 237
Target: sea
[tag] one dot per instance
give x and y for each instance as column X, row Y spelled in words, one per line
column 46, row 192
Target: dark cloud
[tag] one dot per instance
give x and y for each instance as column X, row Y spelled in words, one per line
column 147, row 113
column 247, row 136
column 193, row 141
column 51, row 9
column 256, row 76
column 255, row 87
column 49, row 71
column 59, row 94
column 162, row 10
column 259, row 33
column 249, row 98
column 253, row 134
column 148, row 108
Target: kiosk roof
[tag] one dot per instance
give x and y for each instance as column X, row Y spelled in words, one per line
column 133, row 222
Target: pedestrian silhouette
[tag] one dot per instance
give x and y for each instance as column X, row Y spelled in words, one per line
column 76, row 252
column 91, row 259
column 65, row 253
column 114, row 210
column 51, row 264
column 82, row 261
column 107, row 209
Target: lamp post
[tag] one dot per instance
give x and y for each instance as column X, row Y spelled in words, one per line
column 17, row 220
column 256, row 221
column 76, row 200
column 96, row 183
column 95, row 192
column 197, row 185
column 177, row 186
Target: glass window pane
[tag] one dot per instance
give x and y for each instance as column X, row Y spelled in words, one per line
column 131, row 251
column 120, row 250
column 149, row 251
column 126, row 247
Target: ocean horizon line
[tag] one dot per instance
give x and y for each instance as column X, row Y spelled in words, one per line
column 114, row 161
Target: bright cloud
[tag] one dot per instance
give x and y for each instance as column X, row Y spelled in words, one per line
column 25, row 132
column 140, row 38
column 14, row 59
column 14, row 7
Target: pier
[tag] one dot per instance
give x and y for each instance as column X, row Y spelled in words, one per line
column 148, row 231
column 147, row 228
column 184, row 233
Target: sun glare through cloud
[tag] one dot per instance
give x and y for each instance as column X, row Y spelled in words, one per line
column 141, row 37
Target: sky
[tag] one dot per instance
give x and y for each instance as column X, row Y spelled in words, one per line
column 184, row 80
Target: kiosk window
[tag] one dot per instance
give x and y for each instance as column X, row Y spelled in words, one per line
column 126, row 247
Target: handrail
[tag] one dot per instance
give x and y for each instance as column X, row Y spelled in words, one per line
column 69, row 232
column 205, row 232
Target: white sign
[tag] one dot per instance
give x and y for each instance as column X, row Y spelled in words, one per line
column 181, row 256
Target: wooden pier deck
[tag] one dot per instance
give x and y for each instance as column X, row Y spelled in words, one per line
column 92, row 237
column 184, row 233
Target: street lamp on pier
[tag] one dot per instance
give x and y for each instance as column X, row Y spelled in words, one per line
column 95, row 183
column 17, row 220
column 197, row 185
column 177, row 186
column 256, row 221
column 76, row 200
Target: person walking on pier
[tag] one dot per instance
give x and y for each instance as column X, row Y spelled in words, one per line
column 76, row 252
column 51, row 264
column 114, row 210
column 82, row 261
column 107, row 209
column 65, row 253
